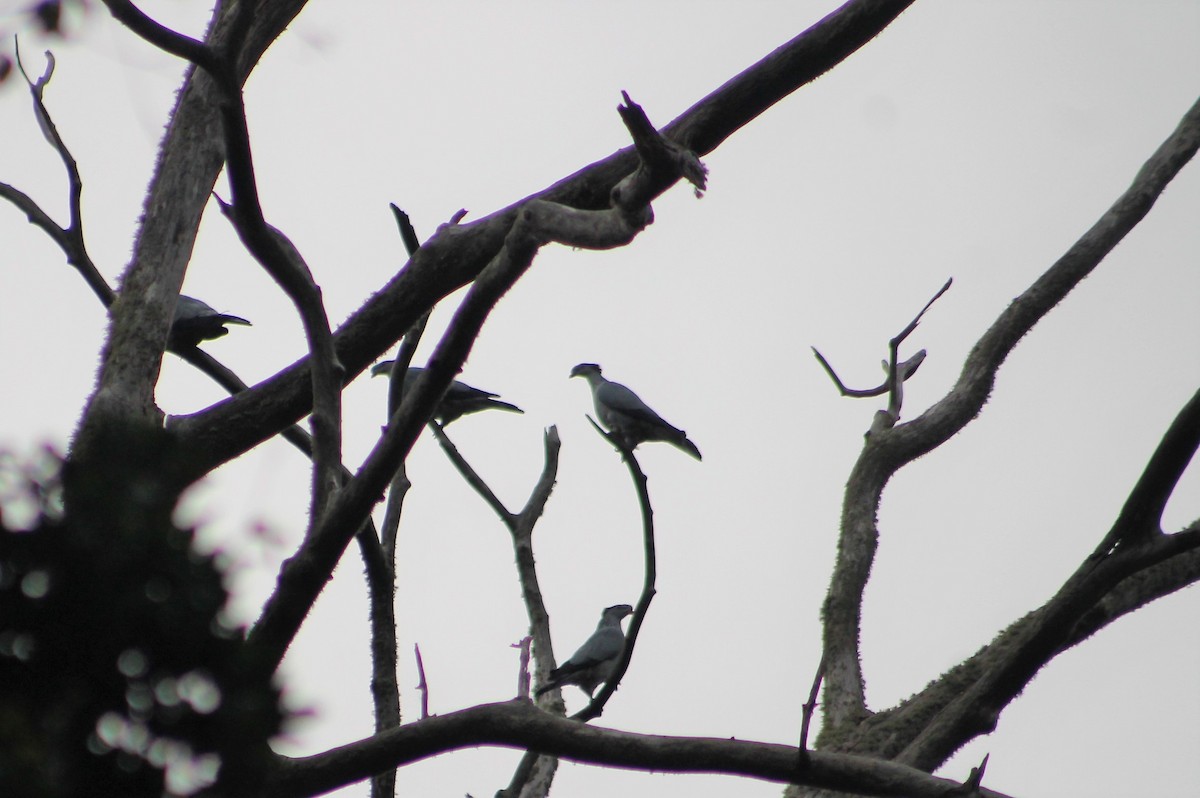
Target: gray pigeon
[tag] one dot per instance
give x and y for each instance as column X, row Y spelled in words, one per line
column 196, row 321
column 595, row 660
column 627, row 417
column 459, row 400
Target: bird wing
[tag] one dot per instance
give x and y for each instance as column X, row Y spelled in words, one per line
column 460, row 391
column 620, row 399
column 190, row 308
column 604, row 644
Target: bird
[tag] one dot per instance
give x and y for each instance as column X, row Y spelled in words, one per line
column 595, row 660
column 627, row 417
column 459, row 399
column 195, row 321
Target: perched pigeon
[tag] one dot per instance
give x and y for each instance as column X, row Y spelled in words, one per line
column 459, row 400
column 593, row 663
column 627, row 417
column 195, row 321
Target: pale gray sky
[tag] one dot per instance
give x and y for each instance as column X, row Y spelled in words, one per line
column 973, row 139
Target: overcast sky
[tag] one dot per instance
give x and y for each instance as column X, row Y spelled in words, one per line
column 973, row 139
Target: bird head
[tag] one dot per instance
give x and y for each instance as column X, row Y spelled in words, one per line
column 584, row 369
column 618, row 611
column 384, row 368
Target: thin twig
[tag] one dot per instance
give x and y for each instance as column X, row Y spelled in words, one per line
column 400, row 484
column 895, row 380
column 472, row 476
column 70, row 239
column 422, row 684
column 907, row 369
column 523, row 677
column 808, row 709
column 974, row 782
column 896, row 372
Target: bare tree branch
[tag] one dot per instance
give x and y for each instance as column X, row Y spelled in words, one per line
column 808, row 709
column 472, row 478
column 518, row 724
column 70, row 238
column 422, row 684
column 907, row 369
column 897, row 373
column 894, row 377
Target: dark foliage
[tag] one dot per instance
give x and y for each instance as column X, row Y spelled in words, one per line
column 117, row 674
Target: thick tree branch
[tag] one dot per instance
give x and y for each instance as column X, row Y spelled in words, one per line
column 518, row 724
column 453, row 260
column 1136, row 591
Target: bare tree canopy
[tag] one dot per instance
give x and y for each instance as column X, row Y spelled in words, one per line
column 962, row 574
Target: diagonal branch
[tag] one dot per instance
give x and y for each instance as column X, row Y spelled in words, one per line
column 472, row 478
